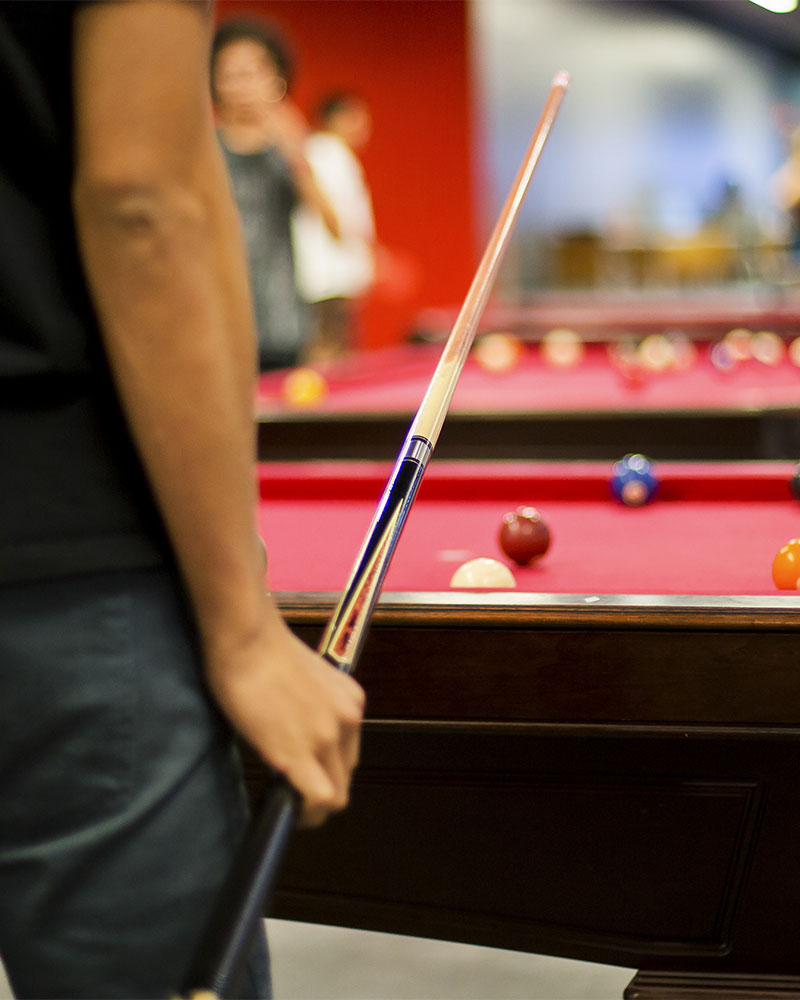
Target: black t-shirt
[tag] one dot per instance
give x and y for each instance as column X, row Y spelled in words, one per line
column 74, row 497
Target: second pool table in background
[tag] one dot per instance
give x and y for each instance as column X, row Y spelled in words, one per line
column 537, row 411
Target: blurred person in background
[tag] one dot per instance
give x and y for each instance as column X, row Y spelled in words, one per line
column 333, row 273
column 263, row 138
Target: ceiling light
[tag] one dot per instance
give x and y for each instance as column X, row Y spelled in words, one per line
column 777, row 6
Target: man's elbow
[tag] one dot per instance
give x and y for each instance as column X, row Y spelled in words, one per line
column 138, row 205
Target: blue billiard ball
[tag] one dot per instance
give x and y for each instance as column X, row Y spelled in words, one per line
column 633, row 481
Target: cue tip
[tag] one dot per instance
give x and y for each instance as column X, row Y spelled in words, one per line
column 562, row 79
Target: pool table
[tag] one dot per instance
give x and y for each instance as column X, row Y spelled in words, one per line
column 537, row 411
column 601, row 763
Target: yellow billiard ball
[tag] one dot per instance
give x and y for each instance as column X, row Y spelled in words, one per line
column 303, row 388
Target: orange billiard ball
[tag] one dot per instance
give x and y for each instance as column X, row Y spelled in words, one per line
column 786, row 566
column 767, row 347
column 739, row 343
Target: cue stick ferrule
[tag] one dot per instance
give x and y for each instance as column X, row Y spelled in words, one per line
column 343, row 638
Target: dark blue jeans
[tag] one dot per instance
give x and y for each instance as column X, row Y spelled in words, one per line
column 121, row 799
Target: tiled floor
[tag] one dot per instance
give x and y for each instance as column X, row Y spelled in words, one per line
column 330, row 963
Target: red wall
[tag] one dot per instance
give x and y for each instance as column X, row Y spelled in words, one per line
column 409, row 59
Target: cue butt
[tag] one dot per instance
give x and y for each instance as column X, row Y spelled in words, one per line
column 223, row 954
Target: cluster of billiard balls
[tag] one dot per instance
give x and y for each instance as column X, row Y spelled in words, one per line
column 741, row 345
column 501, row 352
column 524, row 535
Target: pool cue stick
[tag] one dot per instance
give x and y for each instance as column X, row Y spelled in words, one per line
column 223, row 953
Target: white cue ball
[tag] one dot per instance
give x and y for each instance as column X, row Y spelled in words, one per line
column 767, row 347
column 497, row 352
column 563, row 348
column 685, row 350
column 656, row 353
column 483, row 573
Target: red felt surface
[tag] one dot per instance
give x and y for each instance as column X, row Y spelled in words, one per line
column 396, row 380
column 712, row 529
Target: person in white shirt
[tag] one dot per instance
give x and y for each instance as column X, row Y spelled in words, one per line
column 333, row 273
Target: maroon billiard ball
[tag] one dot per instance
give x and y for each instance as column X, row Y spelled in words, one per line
column 524, row 536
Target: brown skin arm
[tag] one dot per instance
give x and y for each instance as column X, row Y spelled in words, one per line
column 163, row 255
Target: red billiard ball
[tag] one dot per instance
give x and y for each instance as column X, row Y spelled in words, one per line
column 524, row 536
column 633, row 375
column 786, row 566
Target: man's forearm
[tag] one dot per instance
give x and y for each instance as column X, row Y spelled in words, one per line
column 166, row 266
column 164, row 260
